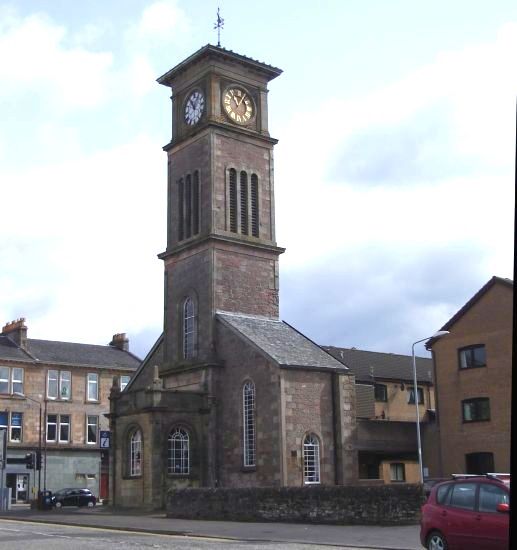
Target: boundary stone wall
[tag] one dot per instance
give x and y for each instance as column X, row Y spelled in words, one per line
column 343, row 505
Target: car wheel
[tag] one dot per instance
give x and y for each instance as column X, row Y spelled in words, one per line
column 59, row 504
column 91, row 504
column 436, row 541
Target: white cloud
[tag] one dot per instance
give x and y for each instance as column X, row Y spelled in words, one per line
column 163, row 19
column 34, row 60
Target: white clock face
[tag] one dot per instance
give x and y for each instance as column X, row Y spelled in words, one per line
column 194, row 107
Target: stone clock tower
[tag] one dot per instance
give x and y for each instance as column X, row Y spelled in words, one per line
column 229, row 395
column 221, row 250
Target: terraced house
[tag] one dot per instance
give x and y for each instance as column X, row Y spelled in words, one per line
column 53, row 397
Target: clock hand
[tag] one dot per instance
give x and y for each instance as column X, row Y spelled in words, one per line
column 242, row 99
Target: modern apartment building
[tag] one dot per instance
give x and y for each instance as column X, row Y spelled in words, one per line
column 473, row 377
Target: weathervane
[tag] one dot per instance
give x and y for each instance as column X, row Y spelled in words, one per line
column 219, row 25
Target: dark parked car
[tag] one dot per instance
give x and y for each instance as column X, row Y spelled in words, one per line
column 73, row 497
column 467, row 512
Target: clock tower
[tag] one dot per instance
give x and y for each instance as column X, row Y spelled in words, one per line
column 221, row 251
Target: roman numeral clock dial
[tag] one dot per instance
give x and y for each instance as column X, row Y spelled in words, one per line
column 194, row 107
column 238, row 105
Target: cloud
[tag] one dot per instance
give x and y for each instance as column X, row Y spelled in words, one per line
column 380, row 299
column 34, row 60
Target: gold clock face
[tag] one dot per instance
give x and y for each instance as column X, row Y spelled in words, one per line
column 238, row 105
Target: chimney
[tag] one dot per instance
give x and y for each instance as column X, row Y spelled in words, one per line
column 120, row 341
column 16, row 331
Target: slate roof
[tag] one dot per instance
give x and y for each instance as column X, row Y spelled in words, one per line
column 385, row 365
column 69, row 353
column 218, row 51
column 281, row 342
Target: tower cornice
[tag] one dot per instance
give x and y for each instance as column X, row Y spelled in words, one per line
column 214, row 237
column 209, row 52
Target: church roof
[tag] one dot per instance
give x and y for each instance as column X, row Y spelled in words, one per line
column 371, row 365
column 281, row 342
column 68, row 353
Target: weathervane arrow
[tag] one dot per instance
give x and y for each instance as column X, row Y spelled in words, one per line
column 219, row 25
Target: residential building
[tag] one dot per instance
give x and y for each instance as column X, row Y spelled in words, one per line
column 386, row 439
column 473, row 380
column 229, row 396
column 53, row 396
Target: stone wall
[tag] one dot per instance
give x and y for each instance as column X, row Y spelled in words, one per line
column 343, row 505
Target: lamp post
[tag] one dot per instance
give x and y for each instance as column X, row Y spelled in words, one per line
column 436, row 335
column 39, row 441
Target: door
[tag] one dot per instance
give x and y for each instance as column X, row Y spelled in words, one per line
column 22, row 485
column 459, row 516
column 492, row 527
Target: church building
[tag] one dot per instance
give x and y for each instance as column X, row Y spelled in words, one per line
column 229, row 395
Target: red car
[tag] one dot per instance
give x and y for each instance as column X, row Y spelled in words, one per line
column 467, row 512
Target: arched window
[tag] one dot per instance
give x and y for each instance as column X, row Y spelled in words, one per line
column 135, row 453
column 181, row 210
column 248, row 409
column 233, row 200
column 179, row 452
column 189, row 328
column 244, row 202
column 311, row 459
column 254, row 206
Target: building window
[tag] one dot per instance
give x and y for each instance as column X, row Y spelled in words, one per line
column 13, row 423
column 51, row 427
column 233, row 199
column 59, row 384
column 124, row 381
column 11, row 380
column 188, row 206
column 254, row 206
column 195, row 204
column 92, row 427
column 179, row 458
column 479, row 463
column 135, row 454
column 58, row 428
column 181, row 212
column 15, row 431
column 92, row 380
column 476, row 410
column 244, row 202
column 311, row 459
column 248, row 410
column 472, row 356
column 64, row 428
column 381, row 392
column 397, row 471
column 189, row 328
column 411, row 396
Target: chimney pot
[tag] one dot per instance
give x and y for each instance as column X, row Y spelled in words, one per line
column 120, row 341
column 17, row 331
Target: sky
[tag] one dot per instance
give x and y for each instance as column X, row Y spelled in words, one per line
column 394, row 171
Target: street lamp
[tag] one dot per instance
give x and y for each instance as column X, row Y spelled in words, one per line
column 435, row 336
column 39, row 442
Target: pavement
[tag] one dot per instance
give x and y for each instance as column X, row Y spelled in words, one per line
column 403, row 537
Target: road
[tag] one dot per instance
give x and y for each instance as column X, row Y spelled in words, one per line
column 16, row 535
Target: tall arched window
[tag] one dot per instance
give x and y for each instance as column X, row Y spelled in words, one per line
column 233, row 200
column 135, row 453
column 244, row 202
column 254, row 206
column 181, row 210
column 189, row 328
column 248, row 409
column 311, row 459
column 179, row 452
